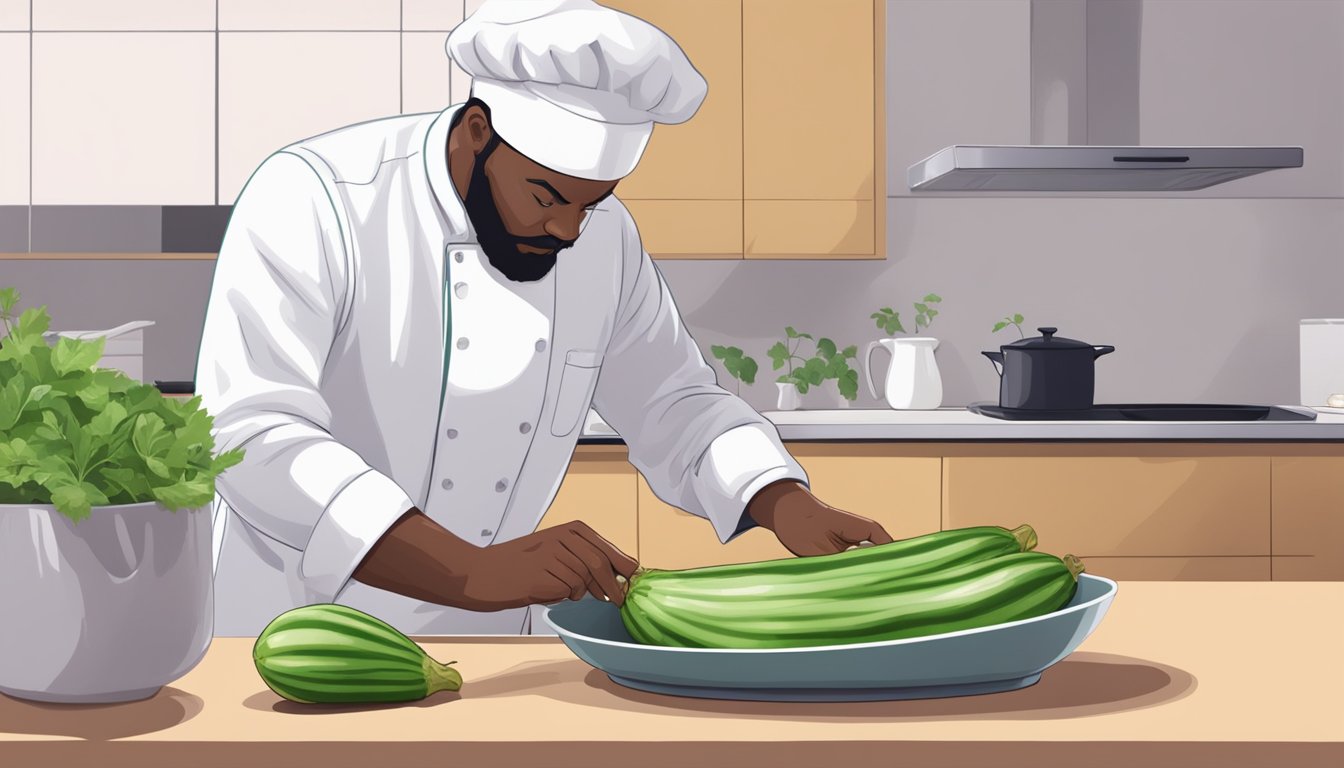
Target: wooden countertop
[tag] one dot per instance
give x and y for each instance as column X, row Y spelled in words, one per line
column 1179, row 673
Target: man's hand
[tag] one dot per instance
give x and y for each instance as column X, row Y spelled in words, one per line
column 807, row 526
column 420, row 559
column 545, row 567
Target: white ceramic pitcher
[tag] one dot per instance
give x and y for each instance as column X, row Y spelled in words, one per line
column 913, row 381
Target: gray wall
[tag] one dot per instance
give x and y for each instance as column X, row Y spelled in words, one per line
column 1200, row 293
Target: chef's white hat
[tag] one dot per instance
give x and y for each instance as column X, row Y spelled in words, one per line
column 573, row 85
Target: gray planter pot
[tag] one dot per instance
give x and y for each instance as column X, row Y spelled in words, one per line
column 108, row 609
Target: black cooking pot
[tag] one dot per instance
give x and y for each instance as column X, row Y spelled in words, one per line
column 1047, row 372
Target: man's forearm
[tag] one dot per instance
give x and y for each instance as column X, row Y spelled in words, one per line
column 420, row 559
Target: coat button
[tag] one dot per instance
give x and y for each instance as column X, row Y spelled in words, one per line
column 541, row 345
column 501, row 485
column 447, row 484
column 462, row 343
column 457, row 256
column 524, row 427
column 452, row 433
column 460, row 290
column 487, row 532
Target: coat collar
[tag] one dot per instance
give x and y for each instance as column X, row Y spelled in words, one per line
column 435, row 153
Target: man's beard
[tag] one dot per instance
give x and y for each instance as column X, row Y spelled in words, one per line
column 501, row 247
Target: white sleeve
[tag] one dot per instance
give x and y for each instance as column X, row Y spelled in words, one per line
column 276, row 303
column 700, row 447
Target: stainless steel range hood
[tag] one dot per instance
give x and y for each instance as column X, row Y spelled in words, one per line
column 1078, row 168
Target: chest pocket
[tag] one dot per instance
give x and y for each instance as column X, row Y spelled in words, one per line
column 578, row 380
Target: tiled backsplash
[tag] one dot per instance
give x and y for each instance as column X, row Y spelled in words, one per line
column 128, row 123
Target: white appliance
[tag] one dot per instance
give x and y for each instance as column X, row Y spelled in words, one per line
column 1322, row 360
column 123, row 350
column 1080, row 168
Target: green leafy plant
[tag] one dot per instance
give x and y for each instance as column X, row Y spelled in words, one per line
column 739, row 366
column 78, row 436
column 1010, row 320
column 889, row 320
column 828, row 362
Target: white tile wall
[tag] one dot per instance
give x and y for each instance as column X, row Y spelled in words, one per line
column 382, row 15
column 123, row 118
column 431, row 15
column 424, row 72
column 14, row 126
column 957, row 73
column 1242, row 72
column 276, row 88
column 106, row 15
column 14, row 15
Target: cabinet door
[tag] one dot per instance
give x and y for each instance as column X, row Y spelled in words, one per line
column 1308, row 518
column 599, row 489
column 811, row 151
column 686, row 193
column 901, row 493
column 1112, row 507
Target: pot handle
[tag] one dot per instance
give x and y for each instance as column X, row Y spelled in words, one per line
column 868, row 367
column 1102, row 349
column 996, row 358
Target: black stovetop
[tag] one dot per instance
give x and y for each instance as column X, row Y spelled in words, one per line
column 1147, row 412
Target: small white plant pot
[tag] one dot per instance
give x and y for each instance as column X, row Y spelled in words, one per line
column 788, row 396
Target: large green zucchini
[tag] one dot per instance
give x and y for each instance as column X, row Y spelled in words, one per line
column 328, row 653
column 876, row 600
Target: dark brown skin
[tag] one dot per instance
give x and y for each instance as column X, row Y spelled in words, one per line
column 421, row 559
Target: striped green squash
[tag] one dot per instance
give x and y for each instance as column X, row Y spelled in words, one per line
column 333, row 654
column 872, row 604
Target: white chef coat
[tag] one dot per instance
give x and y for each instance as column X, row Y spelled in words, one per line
column 348, row 265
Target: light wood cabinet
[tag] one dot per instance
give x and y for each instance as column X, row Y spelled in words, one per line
column 786, row 156
column 809, row 108
column 869, row 479
column 1308, row 534
column 599, row 489
column 686, row 193
column 1117, row 506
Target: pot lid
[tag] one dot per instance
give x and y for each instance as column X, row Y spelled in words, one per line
column 1048, row 340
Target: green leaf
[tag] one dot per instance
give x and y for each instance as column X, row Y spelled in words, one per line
column 186, row 494
column 888, row 310
column 922, row 308
column 805, row 336
column 1017, row 318
column 9, row 298
column 747, row 370
column 149, row 436
column 933, row 297
column 72, row 355
column 999, row 326
column 826, row 348
column 788, row 330
column 72, row 500
column 851, row 351
column 848, row 384
column 718, row 351
column 157, row 467
column 94, row 396
column 105, row 423
column 778, row 354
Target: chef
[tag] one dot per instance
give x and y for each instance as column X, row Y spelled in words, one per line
column 410, row 318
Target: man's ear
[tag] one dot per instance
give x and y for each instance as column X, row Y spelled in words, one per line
column 478, row 129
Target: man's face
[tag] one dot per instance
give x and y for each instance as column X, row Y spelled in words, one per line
column 525, row 213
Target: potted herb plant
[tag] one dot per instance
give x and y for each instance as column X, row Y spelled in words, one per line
column 913, row 380
column 827, row 364
column 1008, row 320
column 105, row 540
column 740, row 366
